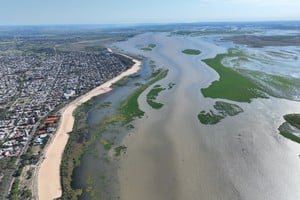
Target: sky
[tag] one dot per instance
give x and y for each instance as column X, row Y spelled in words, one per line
column 44, row 12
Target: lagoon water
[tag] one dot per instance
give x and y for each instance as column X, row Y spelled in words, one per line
column 98, row 166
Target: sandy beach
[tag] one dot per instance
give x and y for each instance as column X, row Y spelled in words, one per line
column 49, row 185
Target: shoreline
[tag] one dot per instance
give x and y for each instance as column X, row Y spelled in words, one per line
column 49, row 168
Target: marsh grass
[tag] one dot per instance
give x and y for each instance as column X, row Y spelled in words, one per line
column 191, row 51
column 152, row 95
column 223, row 109
column 286, row 131
column 231, row 85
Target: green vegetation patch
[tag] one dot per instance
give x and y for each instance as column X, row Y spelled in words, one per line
column 90, row 189
column 119, row 150
column 289, row 135
column 209, row 117
column 152, row 95
column 150, row 47
column 14, row 193
column 191, row 51
column 224, row 109
column 123, row 81
column 146, row 49
column 129, row 108
column 171, row 85
column 130, row 126
column 277, row 86
column 103, row 105
column 231, row 85
column 293, row 119
column 291, row 128
column 227, row 108
column 81, row 137
column 106, row 144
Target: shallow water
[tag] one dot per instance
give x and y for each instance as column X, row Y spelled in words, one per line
column 171, row 155
column 98, row 167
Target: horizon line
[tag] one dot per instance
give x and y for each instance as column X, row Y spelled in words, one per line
column 124, row 24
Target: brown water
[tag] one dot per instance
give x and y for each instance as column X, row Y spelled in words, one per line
column 172, row 156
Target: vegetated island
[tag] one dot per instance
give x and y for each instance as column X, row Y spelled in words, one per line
column 150, row 47
column 191, row 51
column 223, row 109
column 152, row 95
column 291, row 127
column 231, row 85
column 79, row 139
column 276, row 85
column 171, row 85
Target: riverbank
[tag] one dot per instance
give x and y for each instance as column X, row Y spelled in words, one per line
column 49, row 169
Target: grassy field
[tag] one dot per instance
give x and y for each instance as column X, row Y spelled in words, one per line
column 191, row 51
column 231, row 85
column 152, row 95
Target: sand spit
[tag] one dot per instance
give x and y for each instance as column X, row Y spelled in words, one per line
column 171, row 156
column 49, row 185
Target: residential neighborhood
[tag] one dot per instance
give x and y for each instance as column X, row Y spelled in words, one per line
column 34, row 85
